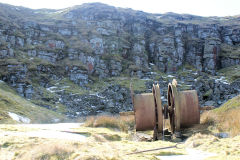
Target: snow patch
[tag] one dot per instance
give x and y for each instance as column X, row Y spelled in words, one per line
column 222, row 79
column 145, row 79
column 151, row 64
column 19, row 118
column 195, row 73
column 97, row 95
column 170, row 76
column 51, row 89
column 65, row 87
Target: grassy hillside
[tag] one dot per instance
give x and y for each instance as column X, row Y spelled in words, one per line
column 11, row 102
column 226, row 118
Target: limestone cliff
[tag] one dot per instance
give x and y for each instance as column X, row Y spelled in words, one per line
column 82, row 58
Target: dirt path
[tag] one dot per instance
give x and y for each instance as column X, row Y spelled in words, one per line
column 57, row 131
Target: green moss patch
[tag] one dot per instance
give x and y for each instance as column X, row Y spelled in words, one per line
column 231, row 73
column 230, row 51
column 137, row 84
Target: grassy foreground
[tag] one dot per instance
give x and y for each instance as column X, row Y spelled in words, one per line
column 109, row 144
column 112, row 138
column 100, row 144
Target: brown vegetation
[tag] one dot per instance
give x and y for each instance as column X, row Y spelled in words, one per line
column 123, row 123
column 226, row 118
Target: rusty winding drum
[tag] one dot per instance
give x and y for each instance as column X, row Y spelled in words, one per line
column 144, row 108
column 183, row 108
column 148, row 110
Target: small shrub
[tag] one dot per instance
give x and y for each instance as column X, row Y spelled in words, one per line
column 6, row 144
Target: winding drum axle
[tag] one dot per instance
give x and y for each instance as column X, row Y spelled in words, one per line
column 182, row 109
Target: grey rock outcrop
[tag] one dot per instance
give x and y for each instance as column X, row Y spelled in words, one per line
column 93, row 42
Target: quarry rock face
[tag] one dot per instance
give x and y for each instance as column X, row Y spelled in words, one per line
column 91, row 42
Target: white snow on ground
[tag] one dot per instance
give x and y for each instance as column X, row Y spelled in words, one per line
column 170, row 76
column 54, row 126
column 19, row 118
column 192, row 155
column 222, row 79
column 96, row 94
column 48, row 134
column 51, row 89
column 151, row 64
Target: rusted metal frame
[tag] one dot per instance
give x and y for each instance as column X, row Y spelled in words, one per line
column 174, row 107
column 159, row 107
column 177, row 109
column 183, row 108
column 155, row 132
column 206, row 108
column 132, row 93
column 155, row 149
column 171, row 107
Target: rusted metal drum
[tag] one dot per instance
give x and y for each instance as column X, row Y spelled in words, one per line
column 144, row 109
column 148, row 110
column 183, row 108
column 158, row 107
column 189, row 108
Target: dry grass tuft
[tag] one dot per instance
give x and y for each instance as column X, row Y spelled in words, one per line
column 226, row 148
column 230, row 121
column 208, row 118
column 59, row 151
column 123, row 123
column 200, row 139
